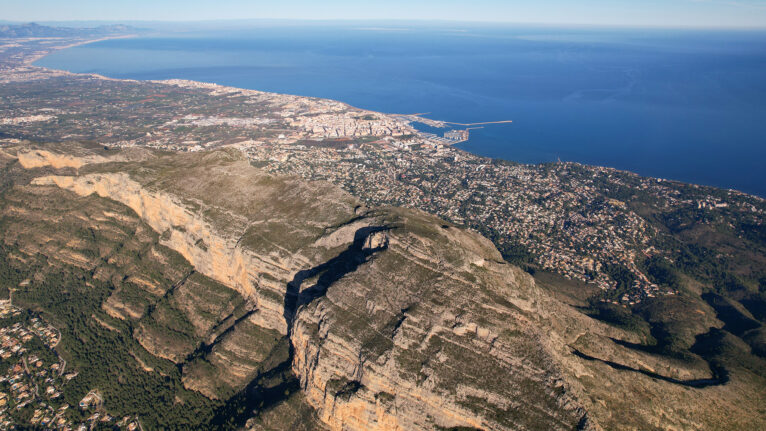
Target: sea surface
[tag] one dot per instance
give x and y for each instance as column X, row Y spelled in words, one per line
column 679, row 104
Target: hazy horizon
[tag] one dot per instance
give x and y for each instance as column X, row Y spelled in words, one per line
column 744, row 14
column 392, row 24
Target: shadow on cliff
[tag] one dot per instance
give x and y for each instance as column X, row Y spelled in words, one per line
column 268, row 389
column 720, row 375
column 277, row 382
column 714, row 346
column 331, row 271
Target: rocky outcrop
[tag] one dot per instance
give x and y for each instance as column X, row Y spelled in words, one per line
column 42, row 158
column 440, row 342
column 601, row 348
column 395, row 320
column 216, row 255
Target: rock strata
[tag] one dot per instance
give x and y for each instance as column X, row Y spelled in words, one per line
column 382, row 318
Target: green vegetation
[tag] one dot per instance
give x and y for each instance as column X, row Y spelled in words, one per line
column 9, row 276
column 104, row 357
column 661, row 272
column 621, row 317
column 125, row 273
column 622, row 275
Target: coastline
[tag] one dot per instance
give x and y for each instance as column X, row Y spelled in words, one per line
column 407, row 119
column 34, row 58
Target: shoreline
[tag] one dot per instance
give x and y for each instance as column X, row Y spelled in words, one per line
column 34, row 58
column 410, row 118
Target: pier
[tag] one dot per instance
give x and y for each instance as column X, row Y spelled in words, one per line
column 453, row 136
column 418, row 118
column 479, row 124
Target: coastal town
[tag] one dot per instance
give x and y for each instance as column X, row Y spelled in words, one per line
column 557, row 213
column 584, row 223
column 186, row 255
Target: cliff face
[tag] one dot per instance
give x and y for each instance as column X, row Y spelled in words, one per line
column 215, row 255
column 388, row 318
column 430, row 331
column 241, row 247
column 396, row 320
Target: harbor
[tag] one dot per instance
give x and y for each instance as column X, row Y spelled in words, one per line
column 452, row 136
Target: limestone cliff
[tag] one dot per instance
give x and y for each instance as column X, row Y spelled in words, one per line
column 429, row 332
column 210, row 252
column 388, row 318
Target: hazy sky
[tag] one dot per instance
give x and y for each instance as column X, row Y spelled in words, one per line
column 684, row 13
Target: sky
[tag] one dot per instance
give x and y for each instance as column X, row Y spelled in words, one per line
column 664, row 13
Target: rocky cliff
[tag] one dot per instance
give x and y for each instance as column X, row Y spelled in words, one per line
column 387, row 318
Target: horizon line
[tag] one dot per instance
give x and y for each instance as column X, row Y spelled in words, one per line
column 394, row 20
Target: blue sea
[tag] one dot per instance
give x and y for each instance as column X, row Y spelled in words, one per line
column 680, row 104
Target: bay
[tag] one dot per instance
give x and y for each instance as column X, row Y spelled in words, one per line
column 688, row 105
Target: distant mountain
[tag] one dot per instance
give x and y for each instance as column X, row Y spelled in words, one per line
column 37, row 30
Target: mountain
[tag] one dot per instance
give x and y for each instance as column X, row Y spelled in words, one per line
column 198, row 291
column 36, row 30
column 181, row 255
